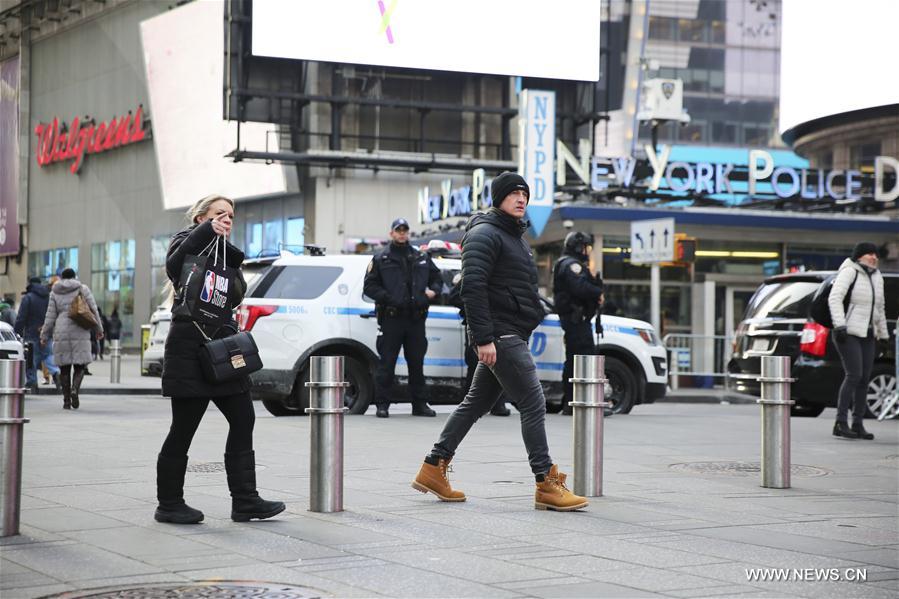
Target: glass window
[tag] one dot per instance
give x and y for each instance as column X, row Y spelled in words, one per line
column 661, row 28
column 254, row 240
column 296, row 282
column 863, row 155
column 159, row 247
column 692, row 132
column 51, row 263
column 724, row 133
column 296, row 231
column 112, row 281
column 690, row 30
column 756, row 135
column 274, row 237
column 789, row 300
column 717, row 32
column 716, row 82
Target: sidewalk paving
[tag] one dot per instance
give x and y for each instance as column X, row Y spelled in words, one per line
column 670, row 523
column 132, row 383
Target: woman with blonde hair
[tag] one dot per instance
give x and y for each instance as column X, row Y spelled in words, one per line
column 182, row 380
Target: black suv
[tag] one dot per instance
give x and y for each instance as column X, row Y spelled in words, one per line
column 776, row 323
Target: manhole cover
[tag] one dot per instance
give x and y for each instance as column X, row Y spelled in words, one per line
column 742, row 468
column 199, row 590
column 206, row 467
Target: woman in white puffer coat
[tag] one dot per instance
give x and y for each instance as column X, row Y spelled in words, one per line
column 854, row 332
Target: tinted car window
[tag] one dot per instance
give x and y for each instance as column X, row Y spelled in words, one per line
column 782, row 300
column 295, row 282
column 891, row 297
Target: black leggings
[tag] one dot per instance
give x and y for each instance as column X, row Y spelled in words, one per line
column 857, row 356
column 188, row 412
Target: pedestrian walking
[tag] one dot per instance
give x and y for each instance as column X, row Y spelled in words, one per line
column 471, row 354
column 29, row 321
column 502, row 308
column 402, row 280
column 578, row 297
column 102, row 341
column 7, row 311
column 71, row 341
column 855, row 332
column 182, row 380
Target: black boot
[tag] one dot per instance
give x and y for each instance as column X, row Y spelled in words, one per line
column 859, row 429
column 421, row 408
column 65, row 381
column 382, row 411
column 170, row 492
column 500, row 409
column 76, row 385
column 56, row 383
column 841, row 429
column 245, row 501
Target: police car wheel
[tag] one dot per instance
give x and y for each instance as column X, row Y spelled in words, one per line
column 621, row 391
column 277, row 407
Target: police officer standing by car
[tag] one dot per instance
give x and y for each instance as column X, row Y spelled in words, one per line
column 578, row 295
column 402, row 281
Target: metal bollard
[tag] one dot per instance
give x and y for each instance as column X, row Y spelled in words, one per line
column 673, row 367
column 12, row 425
column 326, row 411
column 588, row 401
column 115, row 361
column 775, row 401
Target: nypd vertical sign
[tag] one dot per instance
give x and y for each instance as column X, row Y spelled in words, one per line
column 536, row 156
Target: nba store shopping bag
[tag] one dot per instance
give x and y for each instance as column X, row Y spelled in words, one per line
column 206, row 287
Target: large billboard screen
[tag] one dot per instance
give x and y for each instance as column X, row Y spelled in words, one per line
column 183, row 57
column 531, row 38
column 836, row 57
column 9, row 156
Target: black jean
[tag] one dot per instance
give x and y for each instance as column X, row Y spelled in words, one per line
column 857, row 356
column 579, row 340
column 516, row 374
column 408, row 334
column 188, row 412
column 471, row 364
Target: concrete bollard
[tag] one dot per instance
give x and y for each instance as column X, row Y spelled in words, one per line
column 673, row 368
column 12, row 425
column 326, row 412
column 588, row 401
column 775, row 401
column 115, row 361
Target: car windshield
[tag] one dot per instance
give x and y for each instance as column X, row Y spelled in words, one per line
column 789, row 299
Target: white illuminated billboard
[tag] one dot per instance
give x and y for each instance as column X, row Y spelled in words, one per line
column 556, row 39
column 836, row 57
column 183, row 57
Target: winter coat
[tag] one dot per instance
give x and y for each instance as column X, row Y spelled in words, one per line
column 499, row 278
column 576, row 291
column 7, row 314
column 182, row 376
column 113, row 327
column 32, row 311
column 71, row 343
column 866, row 304
column 398, row 277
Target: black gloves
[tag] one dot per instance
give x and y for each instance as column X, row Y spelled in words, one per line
column 883, row 346
column 840, row 334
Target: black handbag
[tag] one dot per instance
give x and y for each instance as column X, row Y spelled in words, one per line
column 229, row 358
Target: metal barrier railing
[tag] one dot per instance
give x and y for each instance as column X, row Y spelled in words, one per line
column 697, row 355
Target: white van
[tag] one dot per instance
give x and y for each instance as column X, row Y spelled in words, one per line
column 314, row 305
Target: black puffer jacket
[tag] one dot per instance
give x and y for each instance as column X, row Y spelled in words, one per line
column 499, row 278
column 181, row 373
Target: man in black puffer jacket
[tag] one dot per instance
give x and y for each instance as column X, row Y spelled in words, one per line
column 502, row 308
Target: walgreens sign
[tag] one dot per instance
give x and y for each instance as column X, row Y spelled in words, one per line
column 59, row 142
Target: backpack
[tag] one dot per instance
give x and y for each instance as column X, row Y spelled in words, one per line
column 819, row 310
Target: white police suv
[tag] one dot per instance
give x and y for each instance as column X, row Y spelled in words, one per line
column 313, row 305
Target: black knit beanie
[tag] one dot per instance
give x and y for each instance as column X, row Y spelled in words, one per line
column 506, row 183
column 862, row 248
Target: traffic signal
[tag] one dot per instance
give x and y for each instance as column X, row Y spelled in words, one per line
column 684, row 249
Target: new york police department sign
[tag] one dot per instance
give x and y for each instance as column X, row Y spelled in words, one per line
column 536, row 155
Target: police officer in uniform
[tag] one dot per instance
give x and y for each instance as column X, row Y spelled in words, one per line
column 577, row 294
column 402, row 281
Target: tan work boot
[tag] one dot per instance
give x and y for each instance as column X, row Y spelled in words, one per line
column 552, row 494
column 433, row 479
